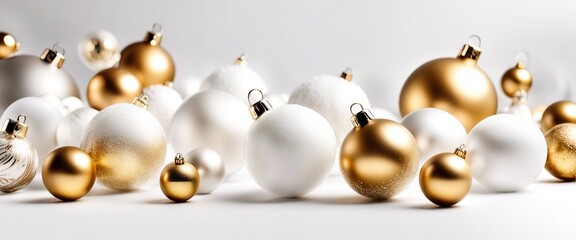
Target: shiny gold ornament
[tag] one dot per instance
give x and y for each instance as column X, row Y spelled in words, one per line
column 516, row 79
column 379, row 157
column 455, row 85
column 557, row 113
column 149, row 62
column 561, row 160
column 445, row 178
column 68, row 173
column 111, row 86
column 179, row 180
column 8, row 45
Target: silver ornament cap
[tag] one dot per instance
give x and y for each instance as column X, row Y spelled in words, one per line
column 361, row 118
column 16, row 127
column 53, row 56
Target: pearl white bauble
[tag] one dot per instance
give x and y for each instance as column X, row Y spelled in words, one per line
column 235, row 79
column 163, row 102
column 436, row 131
column 331, row 96
column 506, row 152
column 42, row 119
column 187, row 87
column 382, row 113
column 71, row 128
column 210, row 168
column 213, row 119
column 290, row 150
column 277, row 99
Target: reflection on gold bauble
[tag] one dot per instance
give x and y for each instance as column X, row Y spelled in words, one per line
column 8, row 45
column 179, row 180
column 68, row 173
column 445, row 178
column 561, row 160
column 111, row 86
column 516, row 79
column 557, row 113
column 379, row 157
column 455, row 85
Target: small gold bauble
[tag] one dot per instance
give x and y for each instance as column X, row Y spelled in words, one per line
column 516, row 79
column 445, row 178
column 557, row 113
column 8, row 45
column 68, row 173
column 179, row 180
column 111, row 86
column 561, row 160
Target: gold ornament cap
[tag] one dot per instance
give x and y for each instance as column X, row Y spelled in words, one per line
column 179, row 159
column 472, row 49
column 259, row 107
column 141, row 101
column 53, row 56
column 362, row 117
column 16, row 127
column 241, row 60
column 8, row 45
column 460, row 151
column 347, row 74
column 154, row 36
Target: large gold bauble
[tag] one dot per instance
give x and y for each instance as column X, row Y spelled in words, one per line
column 111, row 86
column 445, row 179
column 379, row 157
column 561, row 160
column 516, row 79
column 8, row 45
column 558, row 113
column 179, row 180
column 68, row 173
column 455, row 85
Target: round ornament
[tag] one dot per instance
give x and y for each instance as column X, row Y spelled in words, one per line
column 277, row 99
column 99, row 50
column 516, row 79
column 127, row 145
column 558, row 113
column 68, row 173
column 289, row 149
column 188, row 86
column 70, row 104
column 8, row 45
column 179, row 180
column 209, row 166
column 379, row 157
column 561, row 160
column 455, row 85
column 18, row 158
column 111, row 86
column 71, row 128
column 163, row 103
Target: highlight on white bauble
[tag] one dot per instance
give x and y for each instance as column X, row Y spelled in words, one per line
column 163, row 101
column 71, row 128
column 187, row 87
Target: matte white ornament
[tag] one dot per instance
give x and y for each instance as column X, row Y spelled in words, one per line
column 70, row 104
column 71, row 128
column 187, row 87
column 163, row 101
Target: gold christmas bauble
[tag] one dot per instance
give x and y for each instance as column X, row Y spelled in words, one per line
column 68, row 173
column 111, row 86
column 379, row 157
column 561, row 160
column 455, row 85
column 8, row 45
column 179, row 180
column 445, row 178
column 149, row 62
column 516, row 79
column 557, row 113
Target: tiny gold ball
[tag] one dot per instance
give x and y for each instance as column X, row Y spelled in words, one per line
column 445, row 179
column 516, row 79
column 179, row 182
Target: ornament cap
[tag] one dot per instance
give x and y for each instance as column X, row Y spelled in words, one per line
column 362, row 117
column 259, row 107
column 347, row 74
column 471, row 50
column 179, row 159
column 154, row 36
column 16, row 127
column 461, row 151
column 241, row 60
column 53, row 56
column 141, row 101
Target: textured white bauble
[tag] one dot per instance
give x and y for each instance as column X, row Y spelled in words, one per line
column 187, row 87
column 210, row 168
column 436, row 131
column 163, row 102
column 212, row 119
column 71, row 128
column 331, row 96
column 382, row 113
column 237, row 80
column 506, row 152
column 290, row 150
column 277, row 99
column 42, row 119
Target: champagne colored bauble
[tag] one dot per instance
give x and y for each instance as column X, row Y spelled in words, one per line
column 331, row 96
column 43, row 119
column 68, row 173
column 435, row 131
column 8, row 45
column 455, row 85
column 179, row 180
column 558, row 113
column 379, row 157
column 71, row 128
column 561, row 160
column 127, row 144
column 212, row 119
column 445, row 179
column 18, row 158
column 289, row 149
column 506, row 152
column 32, row 76
column 210, row 167
column 99, row 50
column 237, row 79
column 111, row 86
column 149, row 62
column 163, row 103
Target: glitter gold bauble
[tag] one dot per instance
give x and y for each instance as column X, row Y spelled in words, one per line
column 558, row 113
column 179, row 180
column 8, row 45
column 379, row 157
column 561, row 160
column 111, row 86
column 68, row 173
column 455, row 85
column 516, row 79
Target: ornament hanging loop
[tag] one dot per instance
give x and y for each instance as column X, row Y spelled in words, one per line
column 522, row 58
column 259, row 107
column 157, row 28
column 362, row 117
column 54, row 56
column 59, row 48
column 242, row 60
column 21, row 118
column 474, row 40
column 472, row 49
column 347, row 74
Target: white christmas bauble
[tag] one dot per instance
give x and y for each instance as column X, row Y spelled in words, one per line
column 56, row 103
column 331, row 96
column 506, row 152
column 70, row 104
column 163, row 102
column 277, row 99
column 237, row 80
column 382, row 113
column 187, row 87
column 42, row 118
column 290, row 150
column 210, row 168
column 212, row 119
column 71, row 128
column 436, row 131
column 521, row 110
